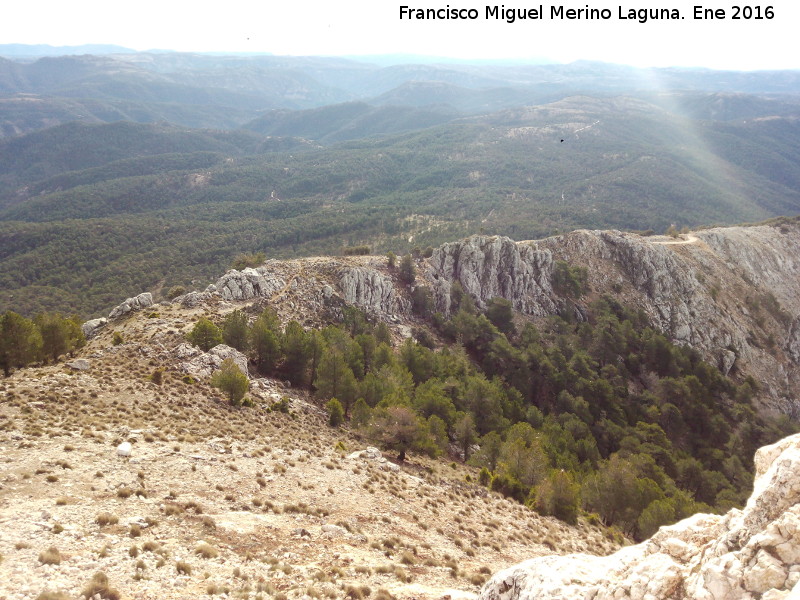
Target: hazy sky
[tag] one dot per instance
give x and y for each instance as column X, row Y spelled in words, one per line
column 361, row 27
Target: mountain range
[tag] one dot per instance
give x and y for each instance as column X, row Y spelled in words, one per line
column 114, row 165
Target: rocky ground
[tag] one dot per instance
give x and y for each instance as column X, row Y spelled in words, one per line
column 256, row 502
column 746, row 554
column 215, row 500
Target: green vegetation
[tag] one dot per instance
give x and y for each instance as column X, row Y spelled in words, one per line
column 355, row 251
column 231, row 380
column 335, row 412
column 79, row 230
column 244, row 261
column 605, row 415
column 47, row 337
column 205, row 335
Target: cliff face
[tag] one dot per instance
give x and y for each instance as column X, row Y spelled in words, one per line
column 488, row 267
column 745, row 554
column 731, row 293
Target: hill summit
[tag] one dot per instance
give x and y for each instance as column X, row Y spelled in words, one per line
column 492, row 396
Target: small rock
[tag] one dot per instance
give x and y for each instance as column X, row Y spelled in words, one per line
column 91, row 327
column 333, row 530
column 124, row 449
column 79, row 364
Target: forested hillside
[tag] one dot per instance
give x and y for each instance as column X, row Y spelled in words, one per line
column 144, row 206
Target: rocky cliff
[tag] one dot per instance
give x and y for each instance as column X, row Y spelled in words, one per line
column 732, row 293
column 745, row 554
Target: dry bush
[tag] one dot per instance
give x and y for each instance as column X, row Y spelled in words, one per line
column 51, row 556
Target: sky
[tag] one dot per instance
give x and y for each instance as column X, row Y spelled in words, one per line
column 374, row 27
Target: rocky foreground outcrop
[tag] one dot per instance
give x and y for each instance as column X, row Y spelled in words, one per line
column 746, row 554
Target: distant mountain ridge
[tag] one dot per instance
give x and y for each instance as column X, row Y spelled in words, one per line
column 38, row 50
column 210, row 90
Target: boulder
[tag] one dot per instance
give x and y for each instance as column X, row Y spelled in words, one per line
column 741, row 555
column 92, row 327
column 139, row 302
column 79, row 364
column 124, row 449
column 203, row 364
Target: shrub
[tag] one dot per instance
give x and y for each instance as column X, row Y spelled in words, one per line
column 51, row 556
column 106, row 518
column 117, row 339
column 205, row 335
column 206, row 551
column 484, row 477
column 98, row 585
column 231, row 380
column 355, row 250
column 175, row 291
column 335, row 412
column 53, row 596
column 243, row 261
column 157, row 376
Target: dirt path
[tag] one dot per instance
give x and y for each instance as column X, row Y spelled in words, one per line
column 690, row 239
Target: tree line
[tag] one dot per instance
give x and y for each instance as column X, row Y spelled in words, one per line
column 604, row 415
column 44, row 338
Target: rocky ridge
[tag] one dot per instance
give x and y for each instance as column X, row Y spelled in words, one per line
column 743, row 555
column 731, row 293
column 173, row 494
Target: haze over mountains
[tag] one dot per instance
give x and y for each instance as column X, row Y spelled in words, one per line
column 113, row 166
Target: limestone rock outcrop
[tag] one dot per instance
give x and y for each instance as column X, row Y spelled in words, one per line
column 248, row 283
column 742, row 555
column 203, row 364
column 733, row 293
column 488, row 267
column 91, row 327
column 139, row 302
column 371, row 291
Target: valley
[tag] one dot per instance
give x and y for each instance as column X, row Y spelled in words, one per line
column 268, row 330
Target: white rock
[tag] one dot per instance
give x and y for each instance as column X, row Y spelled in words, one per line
column 139, row 302
column 704, row 557
column 91, row 327
column 333, row 530
column 203, row 364
column 124, row 449
column 79, row 364
column 370, row 290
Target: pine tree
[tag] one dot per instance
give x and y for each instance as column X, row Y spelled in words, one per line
column 60, row 335
column 20, row 342
column 335, row 412
column 231, row 380
column 407, row 272
column 295, row 345
column 234, row 330
column 265, row 340
column 205, row 335
column 335, row 379
column 465, row 434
